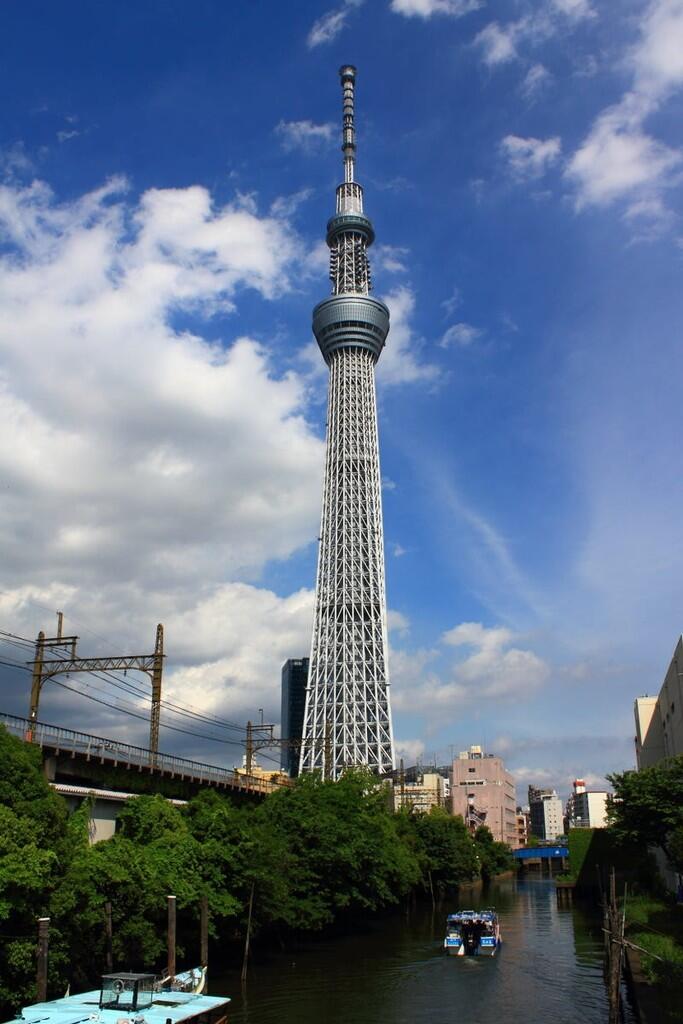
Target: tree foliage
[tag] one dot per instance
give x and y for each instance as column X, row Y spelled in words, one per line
column 647, row 808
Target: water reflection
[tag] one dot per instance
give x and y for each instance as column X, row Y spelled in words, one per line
column 548, row 970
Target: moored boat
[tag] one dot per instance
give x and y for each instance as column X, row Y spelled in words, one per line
column 472, row 933
column 126, row 998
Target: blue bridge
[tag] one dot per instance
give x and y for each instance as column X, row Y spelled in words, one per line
column 540, row 852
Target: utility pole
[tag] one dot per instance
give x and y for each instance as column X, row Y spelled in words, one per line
column 402, row 785
column 157, row 668
column 36, row 683
column 44, row 668
column 249, row 749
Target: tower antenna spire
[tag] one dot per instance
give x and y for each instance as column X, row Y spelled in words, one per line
column 347, row 73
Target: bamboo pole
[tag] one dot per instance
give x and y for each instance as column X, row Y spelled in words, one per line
column 204, row 932
column 243, row 976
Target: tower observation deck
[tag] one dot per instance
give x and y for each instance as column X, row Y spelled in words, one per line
column 347, row 720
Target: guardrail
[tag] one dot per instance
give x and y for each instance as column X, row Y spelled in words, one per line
column 56, row 738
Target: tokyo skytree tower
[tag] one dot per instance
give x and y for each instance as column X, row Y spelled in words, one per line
column 347, row 721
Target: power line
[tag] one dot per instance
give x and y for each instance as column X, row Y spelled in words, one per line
column 143, row 718
column 189, row 712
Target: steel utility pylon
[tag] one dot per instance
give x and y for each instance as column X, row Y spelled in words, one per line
column 347, row 721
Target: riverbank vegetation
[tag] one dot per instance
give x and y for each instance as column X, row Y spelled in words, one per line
column 647, row 811
column 310, row 857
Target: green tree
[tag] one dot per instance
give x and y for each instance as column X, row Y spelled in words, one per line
column 446, row 851
column 34, row 848
column 647, row 808
column 345, row 850
column 495, row 857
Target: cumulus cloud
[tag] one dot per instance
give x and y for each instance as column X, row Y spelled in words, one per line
column 401, row 361
column 148, row 471
column 618, row 159
column 428, row 8
column 498, row 43
column 329, row 25
column 530, row 158
column 461, row 335
column 411, row 750
column 303, row 134
column 488, row 667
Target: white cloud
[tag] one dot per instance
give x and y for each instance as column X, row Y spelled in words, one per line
column 657, row 58
column 64, row 136
column 452, row 302
column 530, row 158
column 15, row 162
column 146, row 469
column 400, row 361
column 462, row 335
column 428, row 8
column 618, row 158
column 286, row 206
column 576, row 10
column 329, row 25
column 397, row 622
column 535, row 81
column 490, row 669
column 498, row 43
column 411, row 750
column 391, row 258
column 303, row 134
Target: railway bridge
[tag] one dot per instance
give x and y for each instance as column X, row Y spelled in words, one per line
column 79, row 765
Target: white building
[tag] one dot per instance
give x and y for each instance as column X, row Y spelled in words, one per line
column 587, row 808
column 546, row 813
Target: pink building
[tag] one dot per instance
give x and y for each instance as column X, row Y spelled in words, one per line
column 483, row 792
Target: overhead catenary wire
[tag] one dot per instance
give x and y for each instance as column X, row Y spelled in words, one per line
column 124, row 707
column 121, row 683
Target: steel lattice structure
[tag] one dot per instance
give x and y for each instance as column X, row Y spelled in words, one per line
column 347, row 721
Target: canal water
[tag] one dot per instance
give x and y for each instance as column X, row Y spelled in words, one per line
column 548, row 970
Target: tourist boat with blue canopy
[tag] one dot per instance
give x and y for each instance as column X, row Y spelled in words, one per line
column 472, row 933
column 127, row 998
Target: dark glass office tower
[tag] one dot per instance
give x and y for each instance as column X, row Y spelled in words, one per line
column 294, row 679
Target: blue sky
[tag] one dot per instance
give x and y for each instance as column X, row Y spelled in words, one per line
column 167, row 173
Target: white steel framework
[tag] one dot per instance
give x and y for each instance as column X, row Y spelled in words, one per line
column 347, row 721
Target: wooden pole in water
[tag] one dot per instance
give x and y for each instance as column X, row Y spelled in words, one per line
column 243, row 976
column 171, row 901
column 204, row 932
column 41, row 967
column 614, row 958
column 109, row 950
